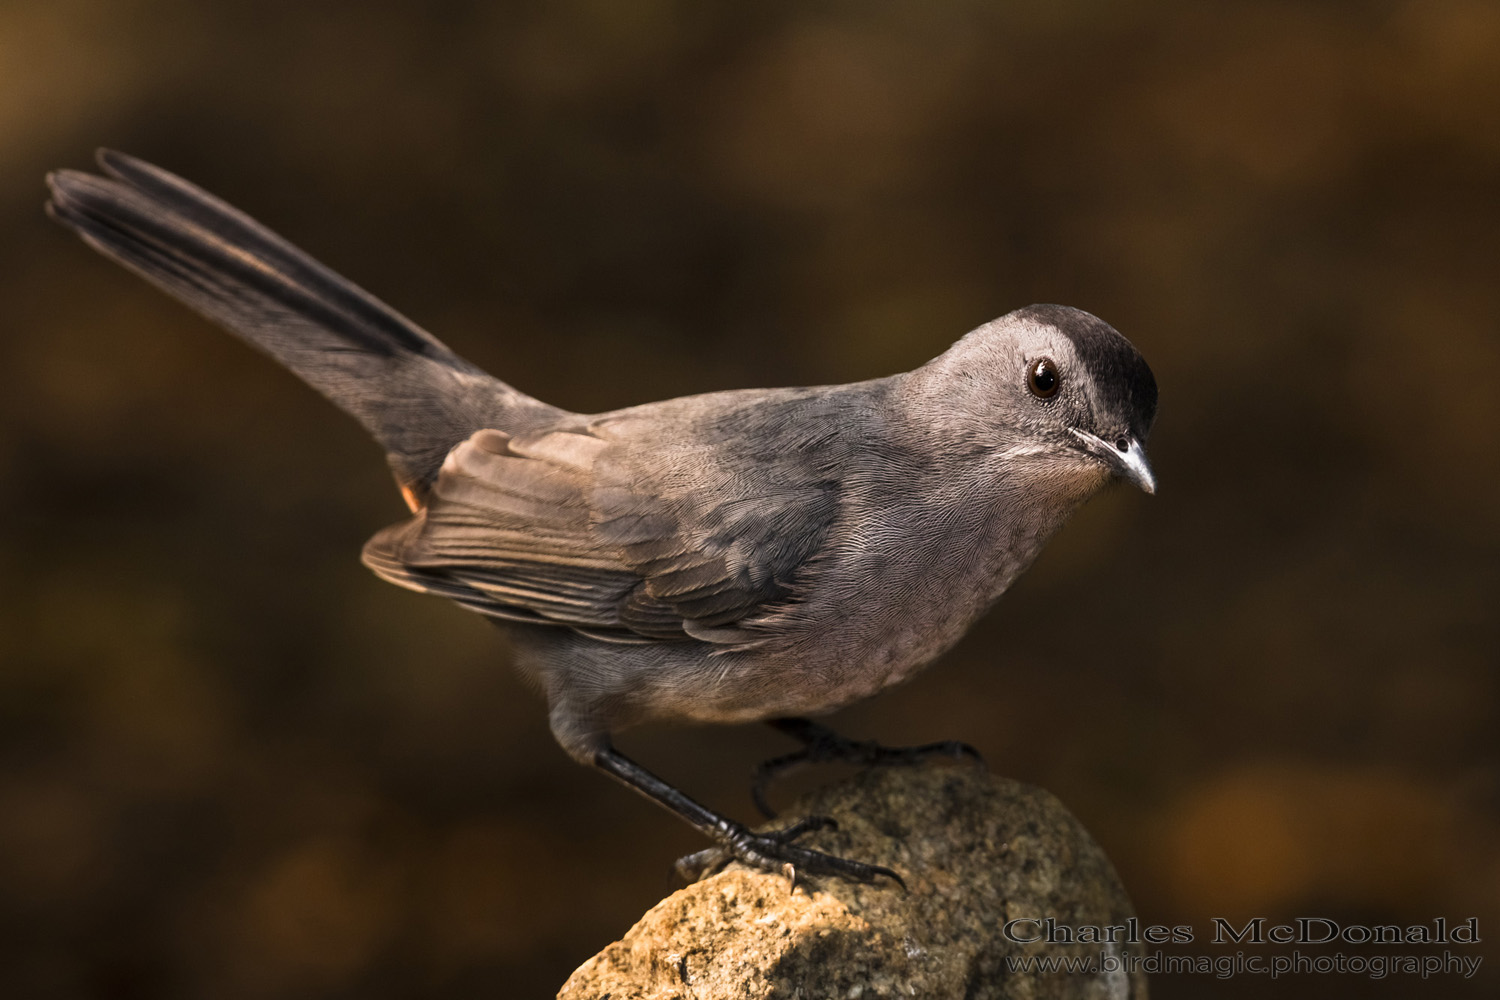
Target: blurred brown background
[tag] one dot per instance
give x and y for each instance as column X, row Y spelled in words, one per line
column 234, row 764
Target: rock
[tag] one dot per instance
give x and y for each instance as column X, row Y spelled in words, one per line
column 977, row 851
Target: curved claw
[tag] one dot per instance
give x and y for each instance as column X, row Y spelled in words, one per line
column 821, row 745
column 775, row 852
column 771, row 852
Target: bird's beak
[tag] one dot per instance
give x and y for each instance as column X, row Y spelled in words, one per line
column 1128, row 462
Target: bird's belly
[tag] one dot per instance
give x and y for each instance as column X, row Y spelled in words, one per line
column 869, row 642
column 784, row 683
column 890, row 608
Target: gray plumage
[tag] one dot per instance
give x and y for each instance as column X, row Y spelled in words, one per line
column 724, row 557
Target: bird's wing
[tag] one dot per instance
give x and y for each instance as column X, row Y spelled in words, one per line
column 667, row 524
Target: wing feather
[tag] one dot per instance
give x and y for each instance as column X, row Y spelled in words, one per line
column 584, row 528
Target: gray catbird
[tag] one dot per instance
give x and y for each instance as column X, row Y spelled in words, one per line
column 759, row 554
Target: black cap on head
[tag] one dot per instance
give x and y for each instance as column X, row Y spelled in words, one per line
column 1121, row 376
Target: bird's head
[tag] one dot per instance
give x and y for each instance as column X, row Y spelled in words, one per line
column 1048, row 394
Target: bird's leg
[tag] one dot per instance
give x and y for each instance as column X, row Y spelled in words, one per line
column 822, row 745
column 772, row 852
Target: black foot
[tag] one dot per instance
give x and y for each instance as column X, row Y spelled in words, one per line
column 772, row 852
column 775, row 852
column 822, row 745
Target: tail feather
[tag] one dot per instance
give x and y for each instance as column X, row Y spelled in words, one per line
column 286, row 271
column 411, row 392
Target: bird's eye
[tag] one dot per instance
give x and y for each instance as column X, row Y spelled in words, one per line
column 1042, row 378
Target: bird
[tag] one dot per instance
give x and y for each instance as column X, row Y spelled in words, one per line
column 744, row 555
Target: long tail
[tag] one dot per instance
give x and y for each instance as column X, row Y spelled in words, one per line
column 412, row 393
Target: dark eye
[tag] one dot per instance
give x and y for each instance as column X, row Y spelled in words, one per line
column 1042, row 378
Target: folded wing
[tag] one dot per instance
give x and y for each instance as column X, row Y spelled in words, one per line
column 576, row 528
